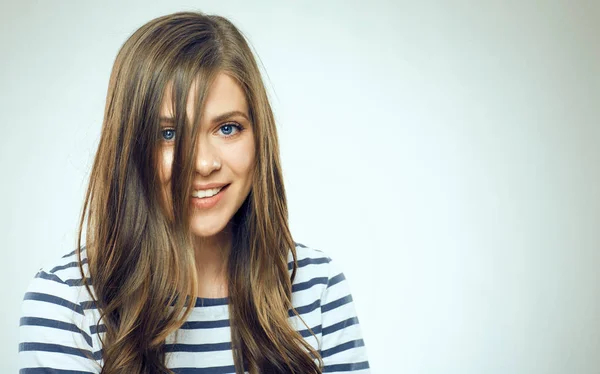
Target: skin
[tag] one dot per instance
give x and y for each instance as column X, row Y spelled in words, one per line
column 225, row 154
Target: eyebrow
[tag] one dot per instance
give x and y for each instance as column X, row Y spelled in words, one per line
column 219, row 118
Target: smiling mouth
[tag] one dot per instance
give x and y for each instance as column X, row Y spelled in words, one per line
column 201, row 194
column 207, row 198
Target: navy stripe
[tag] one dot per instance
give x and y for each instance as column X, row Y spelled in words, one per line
column 77, row 282
column 336, row 303
column 51, row 371
column 346, row 367
column 342, row 347
column 210, row 370
column 69, row 265
column 192, row 325
column 299, row 245
column 70, row 254
column 313, row 261
column 57, row 348
column 54, row 277
column 340, row 325
column 309, row 261
column 95, row 329
column 53, row 300
column 305, row 333
column 85, row 305
column 34, row 321
column 210, row 347
column 201, row 301
column 335, row 280
column 306, row 308
column 308, row 284
column 198, row 325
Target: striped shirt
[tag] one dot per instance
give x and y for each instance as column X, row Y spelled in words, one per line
column 59, row 323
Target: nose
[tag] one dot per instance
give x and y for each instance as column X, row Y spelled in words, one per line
column 207, row 160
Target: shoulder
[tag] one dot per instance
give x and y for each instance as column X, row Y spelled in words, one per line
column 65, row 269
column 316, row 270
column 307, row 256
column 58, row 283
column 54, row 329
column 311, row 262
column 342, row 347
column 324, row 279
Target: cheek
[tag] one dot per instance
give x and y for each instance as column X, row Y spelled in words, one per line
column 242, row 159
column 165, row 163
column 164, row 170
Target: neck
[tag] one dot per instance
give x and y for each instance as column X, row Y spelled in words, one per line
column 211, row 263
column 212, row 252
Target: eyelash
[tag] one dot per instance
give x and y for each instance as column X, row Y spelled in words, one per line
column 232, row 124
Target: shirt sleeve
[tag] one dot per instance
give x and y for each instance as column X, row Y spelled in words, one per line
column 53, row 334
column 343, row 348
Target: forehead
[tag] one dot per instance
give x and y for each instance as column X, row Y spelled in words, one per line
column 224, row 95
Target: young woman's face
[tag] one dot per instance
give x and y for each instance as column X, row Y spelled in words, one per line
column 225, row 155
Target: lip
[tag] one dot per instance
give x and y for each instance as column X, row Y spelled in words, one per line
column 208, row 186
column 208, row 202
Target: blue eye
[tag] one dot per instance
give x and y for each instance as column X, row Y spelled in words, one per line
column 168, row 134
column 228, row 129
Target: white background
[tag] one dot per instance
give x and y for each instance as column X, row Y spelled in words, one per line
column 445, row 154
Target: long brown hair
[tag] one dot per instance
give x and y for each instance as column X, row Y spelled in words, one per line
column 141, row 258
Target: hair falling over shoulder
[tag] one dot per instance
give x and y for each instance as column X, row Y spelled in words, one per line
column 140, row 252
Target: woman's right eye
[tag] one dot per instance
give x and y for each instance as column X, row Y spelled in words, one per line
column 168, row 134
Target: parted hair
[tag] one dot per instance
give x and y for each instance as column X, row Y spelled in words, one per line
column 140, row 253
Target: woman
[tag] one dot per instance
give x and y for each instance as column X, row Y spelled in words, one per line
column 188, row 265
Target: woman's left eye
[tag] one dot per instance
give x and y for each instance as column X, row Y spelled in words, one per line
column 229, row 129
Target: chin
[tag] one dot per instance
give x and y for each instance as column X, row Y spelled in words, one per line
column 205, row 227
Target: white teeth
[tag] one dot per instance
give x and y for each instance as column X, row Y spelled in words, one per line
column 206, row 193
